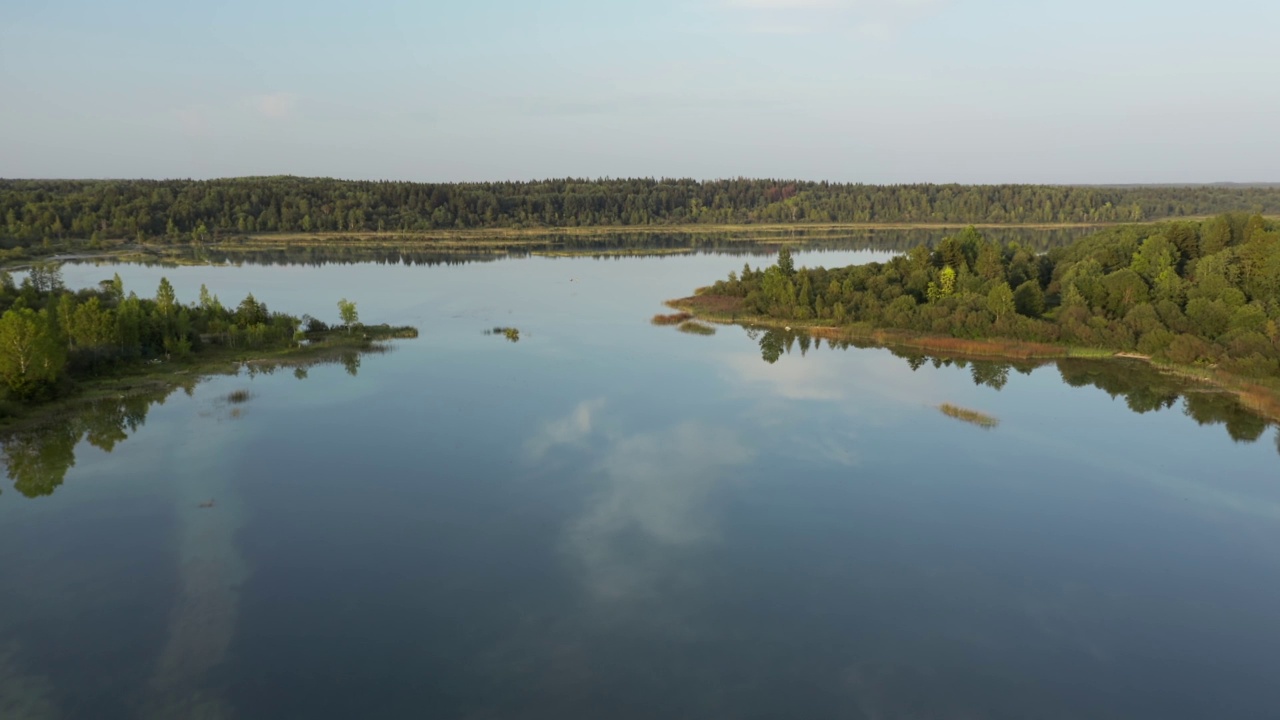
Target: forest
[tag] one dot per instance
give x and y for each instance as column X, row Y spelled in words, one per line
column 50, row 211
column 1190, row 293
column 51, row 337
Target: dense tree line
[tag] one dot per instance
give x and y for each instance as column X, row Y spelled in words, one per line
column 1187, row 292
column 50, row 335
column 35, row 211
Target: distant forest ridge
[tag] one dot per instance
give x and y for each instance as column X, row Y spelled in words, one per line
column 34, row 211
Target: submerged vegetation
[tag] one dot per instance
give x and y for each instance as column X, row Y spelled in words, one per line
column 1203, row 296
column 236, row 397
column 672, row 319
column 972, row 417
column 510, row 333
column 696, row 328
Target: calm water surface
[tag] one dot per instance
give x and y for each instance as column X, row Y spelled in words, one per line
column 610, row 519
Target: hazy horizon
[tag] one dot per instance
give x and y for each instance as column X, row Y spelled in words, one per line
column 657, row 178
column 871, row 91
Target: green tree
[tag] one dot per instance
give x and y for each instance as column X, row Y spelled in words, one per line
column 1215, row 235
column 92, row 326
column 1156, row 255
column 31, row 355
column 251, row 312
column 989, row 265
column 785, row 263
column 347, row 311
column 1124, row 289
column 945, row 287
column 1000, row 301
column 1029, row 299
column 166, row 298
column 114, row 288
column 46, row 277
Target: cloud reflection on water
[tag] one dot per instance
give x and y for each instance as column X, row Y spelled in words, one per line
column 835, row 376
column 650, row 499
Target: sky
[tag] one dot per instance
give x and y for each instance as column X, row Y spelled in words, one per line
column 875, row 91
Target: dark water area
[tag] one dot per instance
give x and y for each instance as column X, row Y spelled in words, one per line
column 604, row 518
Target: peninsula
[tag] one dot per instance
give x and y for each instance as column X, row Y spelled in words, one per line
column 1200, row 298
column 59, row 347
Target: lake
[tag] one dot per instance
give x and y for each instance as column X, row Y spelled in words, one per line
column 617, row 520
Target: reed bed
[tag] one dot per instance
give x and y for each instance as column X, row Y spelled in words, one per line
column 696, row 328
column 673, row 319
column 236, row 397
column 972, row 417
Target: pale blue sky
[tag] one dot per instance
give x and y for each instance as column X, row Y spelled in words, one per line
column 1078, row 91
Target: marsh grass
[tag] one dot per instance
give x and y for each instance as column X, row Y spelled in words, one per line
column 236, row 397
column 696, row 328
column 972, row 417
column 510, row 333
column 673, row 319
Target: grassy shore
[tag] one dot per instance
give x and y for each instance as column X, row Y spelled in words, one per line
column 1258, row 396
column 539, row 239
column 158, row 376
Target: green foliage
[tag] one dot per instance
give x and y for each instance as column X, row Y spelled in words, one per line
column 1000, row 301
column 199, row 210
column 347, row 311
column 945, row 287
column 510, row 333
column 49, row 335
column 32, row 356
column 1029, row 299
column 1125, row 288
column 45, row 277
column 1215, row 235
column 785, row 264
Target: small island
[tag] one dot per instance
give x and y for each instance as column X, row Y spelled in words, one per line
column 59, row 347
column 1196, row 298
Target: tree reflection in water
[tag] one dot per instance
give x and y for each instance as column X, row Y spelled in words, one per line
column 1143, row 387
column 37, row 459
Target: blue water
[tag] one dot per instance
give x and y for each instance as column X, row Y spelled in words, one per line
column 612, row 519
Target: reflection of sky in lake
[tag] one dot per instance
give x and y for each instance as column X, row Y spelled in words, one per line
column 611, row 519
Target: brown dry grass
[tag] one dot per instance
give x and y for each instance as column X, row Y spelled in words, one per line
column 709, row 305
column 674, row 319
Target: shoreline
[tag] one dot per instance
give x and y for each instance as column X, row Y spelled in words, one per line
column 1256, row 397
column 166, row 376
column 499, row 239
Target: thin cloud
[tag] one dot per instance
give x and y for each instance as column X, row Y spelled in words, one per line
column 276, row 106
